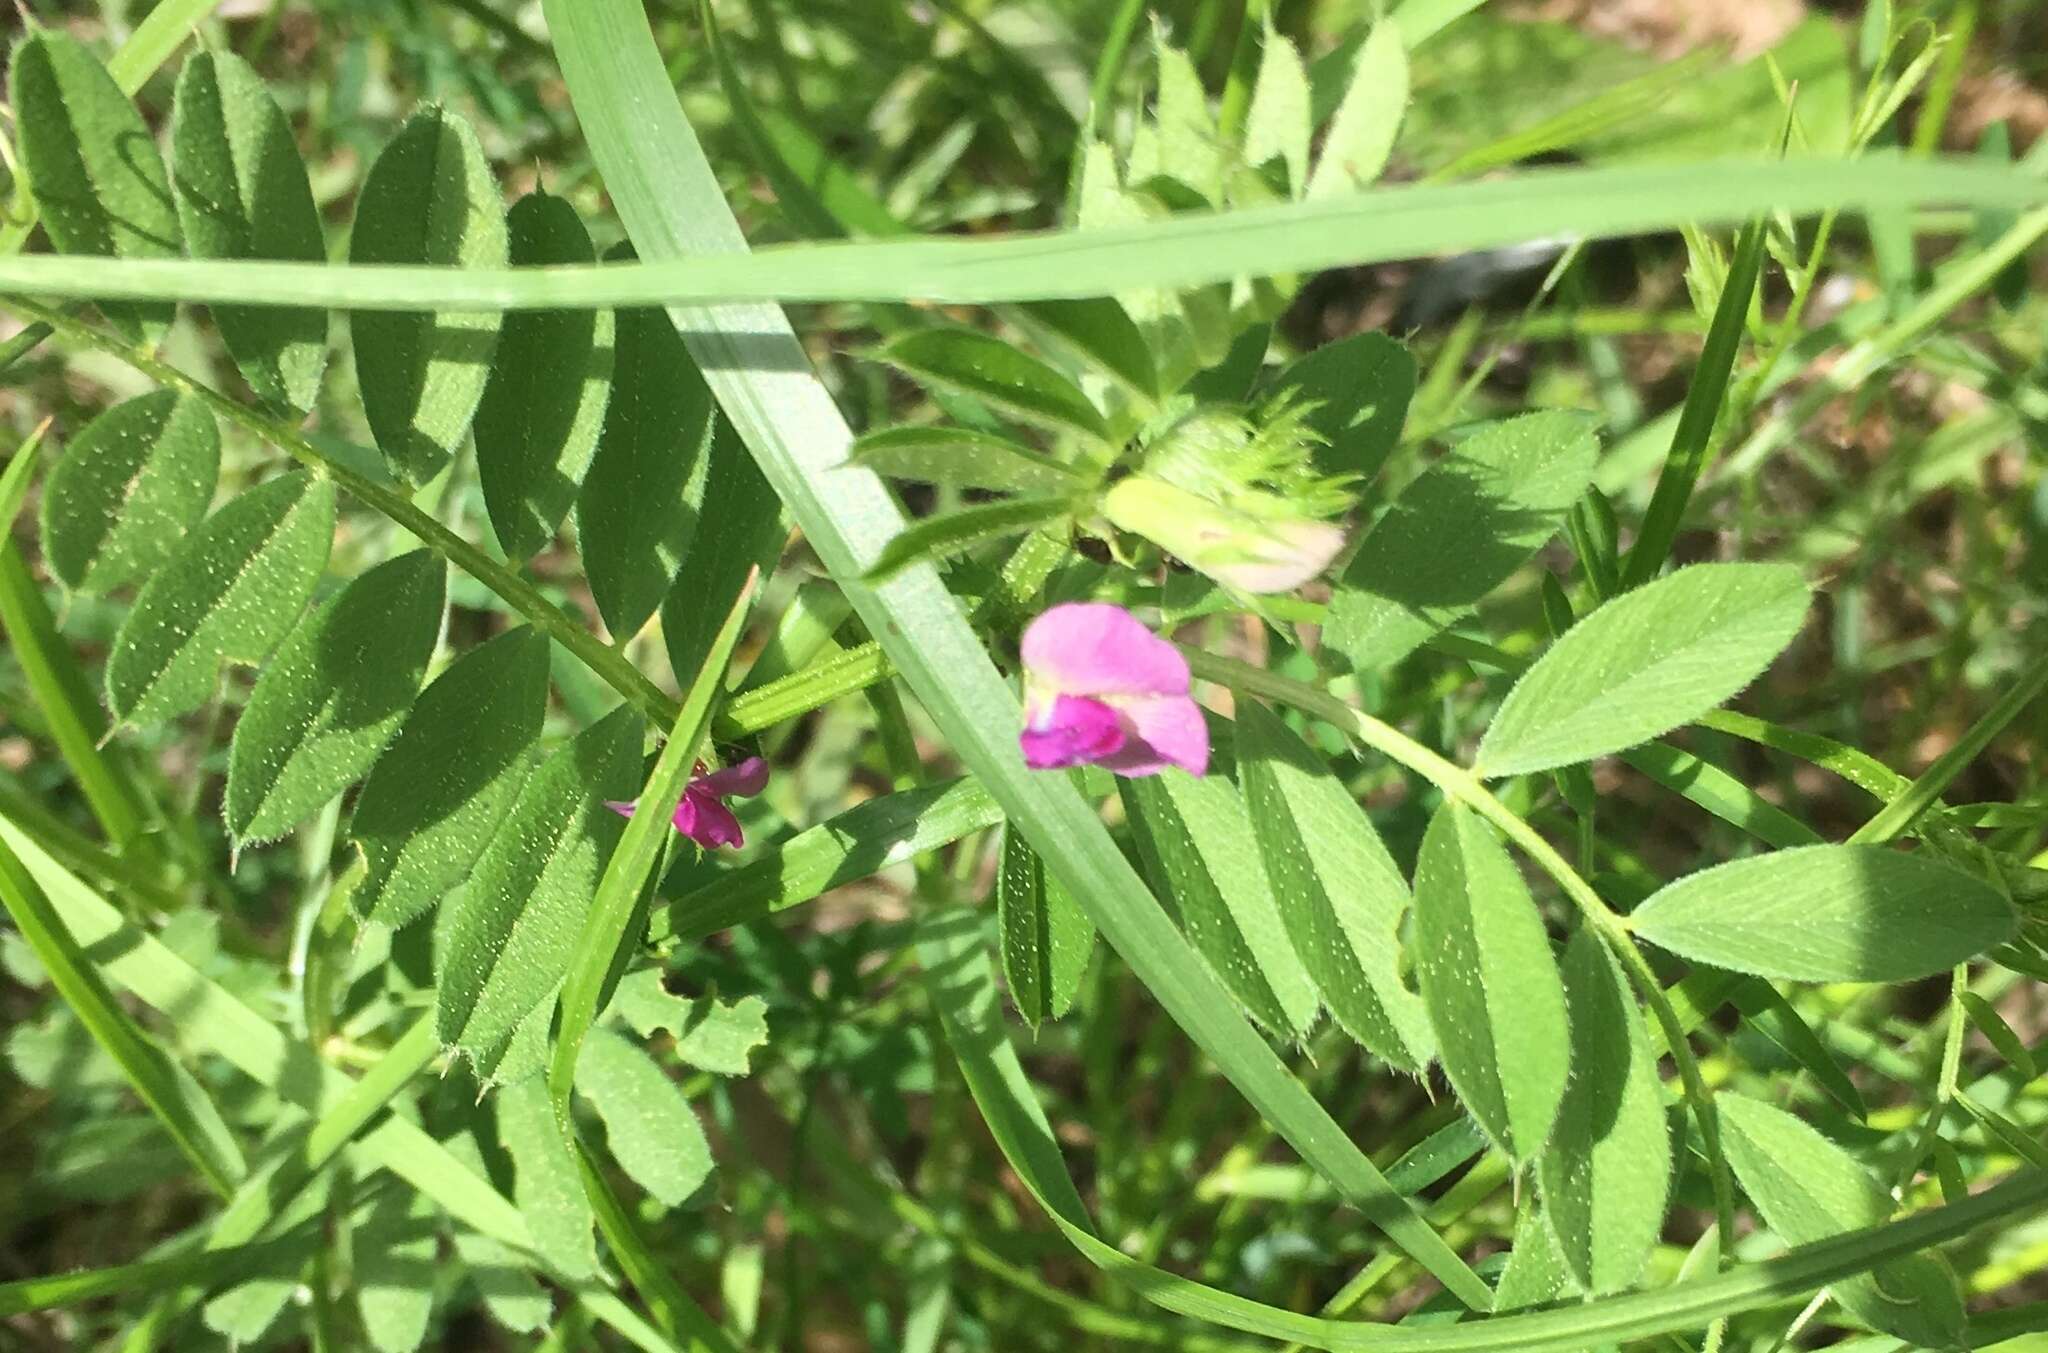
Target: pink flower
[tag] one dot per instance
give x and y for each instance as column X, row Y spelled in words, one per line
column 702, row 815
column 1100, row 688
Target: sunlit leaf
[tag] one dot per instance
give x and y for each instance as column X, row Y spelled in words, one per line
column 544, row 1181
column 128, row 490
column 709, row 1034
column 1000, row 375
column 1361, row 135
column 1046, row 937
column 395, row 1248
column 1358, row 389
column 1277, row 127
column 651, row 1129
column 964, row 457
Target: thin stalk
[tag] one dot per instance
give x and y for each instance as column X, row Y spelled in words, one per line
column 605, row 660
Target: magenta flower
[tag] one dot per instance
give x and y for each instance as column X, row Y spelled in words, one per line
column 1100, row 688
column 702, row 815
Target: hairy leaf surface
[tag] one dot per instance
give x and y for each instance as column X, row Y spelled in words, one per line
column 128, row 490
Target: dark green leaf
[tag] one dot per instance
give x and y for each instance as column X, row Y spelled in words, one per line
column 937, row 537
column 515, row 924
column 1457, row 532
column 1360, row 388
column 93, row 166
column 538, row 420
column 228, row 595
column 1490, row 982
column 1341, row 895
column 963, row 457
column 434, row 799
column 1645, row 663
column 1102, row 331
column 429, row 198
column 1046, row 937
column 991, row 370
column 1607, row 1169
column 651, row 1129
column 242, row 192
column 644, row 493
column 1828, row 914
column 128, row 490
column 336, row 692
column 1808, row 1189
column 742, row 529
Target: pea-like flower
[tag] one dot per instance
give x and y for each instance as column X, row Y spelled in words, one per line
column 1101, row 689
column 702, row 815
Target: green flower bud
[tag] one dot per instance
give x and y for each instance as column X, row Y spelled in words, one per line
column 1253, row 551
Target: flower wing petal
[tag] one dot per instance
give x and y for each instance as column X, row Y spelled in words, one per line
column 1164, row 731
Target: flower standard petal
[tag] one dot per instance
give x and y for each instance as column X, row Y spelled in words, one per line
column 1093, row 648
column 744, row 780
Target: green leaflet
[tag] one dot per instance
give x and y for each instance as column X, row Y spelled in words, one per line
column 1536, row 1272
column 513, row 1296
column 1607, row 1169
column 436, row 796
column 709, row 1034
column 394, row 1249
column 128, row 490
column 1828, row 914
column 1102, row 332
column 538, row 420
column 1278, row 125
column 859, row 842
column 742, row 528
column 938, row 537
column 964, row 457
column 1645, row 663
column 1341, row 894
column 428, row 198
column 242, row 193
column 1807, row 1189
column 514, row 929
column 1360, row 388
column 998, row 374
column 1490, row 982
column 1046, row 937
column 1457, row 532
column 651, row 1129
column 544, row 1182
column 336, row 692
column 1361, row 135
column 644, row 493
column 93, row 166
column 1197, row 842
column 229, row 594
column 1189, row 148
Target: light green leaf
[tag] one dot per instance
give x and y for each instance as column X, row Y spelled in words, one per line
column 538, row 419
column 93, row 166
column 544, row 1180
column 1457, row 532
column 643, row 495
column 429, row 198
column 1103, row 332
column 1277, row 126
column 128, row 490
column 512, row 1295
column 1807, row 1189
column 1000, row 375
column 1046, row 937
column 337, row 691
column 1341, row 895
column 434, row 799
column 651, row 1129
column 1536, row 1272
column 709, row 1034
column 937, row 537
column 394, row 1250
column 744, row 530
column 1361, row 135
column 1197, row 842
column 1645, row 663
column 242, row 192
column 1828, row 914
column 1606, row 1172
column 963, row 457
column 1190, row 151
column 1999, row 1034
column 515, row 924
column 229, row 594
column 1490, row 982
column 1360, row 388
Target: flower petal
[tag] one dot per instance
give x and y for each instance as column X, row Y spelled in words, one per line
column 1092, row 648
column 1164, row 731
column 744, row 780
column 1072, row 732
column 714, row 823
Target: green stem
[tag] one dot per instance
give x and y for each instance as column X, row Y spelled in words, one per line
column 1463, row 786
column 610, row 665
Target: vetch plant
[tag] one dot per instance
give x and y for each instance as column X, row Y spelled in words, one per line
column 1595, row 902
